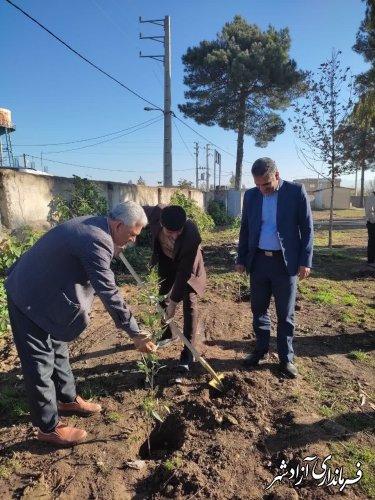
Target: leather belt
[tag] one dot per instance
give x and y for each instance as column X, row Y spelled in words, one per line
column 269, row 253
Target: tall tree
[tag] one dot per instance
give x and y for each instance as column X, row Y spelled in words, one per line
column 239, row 80
column 364, row 111
column 317, row 120
column 358, row 145
column 185, row 184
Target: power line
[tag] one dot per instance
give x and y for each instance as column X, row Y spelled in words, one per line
column 83, row 57
column 207, row 140
column 186, row 146
column 84, row 140
column 85, row 166
column 158, row 119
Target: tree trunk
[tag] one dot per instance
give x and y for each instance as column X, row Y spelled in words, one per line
column 363, row 168
column 330, row 226
column 240, row 141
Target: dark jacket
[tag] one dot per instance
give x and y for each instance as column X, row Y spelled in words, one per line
column 294, row 226
column 187, row 257
column 54, row 282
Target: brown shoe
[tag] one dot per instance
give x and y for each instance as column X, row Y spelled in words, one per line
column 79, row 406
column 62, row 436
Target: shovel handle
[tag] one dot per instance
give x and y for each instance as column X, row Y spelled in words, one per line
column 173, row 325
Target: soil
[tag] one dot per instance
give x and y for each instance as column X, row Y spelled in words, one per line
column 217, row 445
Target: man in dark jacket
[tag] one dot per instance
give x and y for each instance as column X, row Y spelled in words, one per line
column 177, row 251
column 275, row 247
column 50, row 292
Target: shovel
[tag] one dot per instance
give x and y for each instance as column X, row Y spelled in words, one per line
column 216, row 382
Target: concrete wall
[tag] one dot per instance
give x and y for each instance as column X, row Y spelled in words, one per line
column 26, row 195
column 322, row 199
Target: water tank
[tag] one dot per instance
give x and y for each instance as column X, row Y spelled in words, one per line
column 5, row 118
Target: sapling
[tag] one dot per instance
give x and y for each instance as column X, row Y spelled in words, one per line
column 150, row 364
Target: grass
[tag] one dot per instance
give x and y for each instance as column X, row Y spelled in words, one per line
column 348, row 454
column 112, row 417
column 359, row 356
column 13, row 402
column 350, row 213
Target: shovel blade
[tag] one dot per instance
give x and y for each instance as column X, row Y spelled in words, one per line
column 217, row 384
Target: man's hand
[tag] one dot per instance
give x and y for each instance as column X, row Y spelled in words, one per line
column 171, row 310
column 240, row 268
column 303, row 272
column 143, row 343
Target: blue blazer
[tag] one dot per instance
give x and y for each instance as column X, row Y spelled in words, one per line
column 294, row 226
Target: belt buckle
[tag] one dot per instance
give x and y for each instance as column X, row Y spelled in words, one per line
column 268, row 253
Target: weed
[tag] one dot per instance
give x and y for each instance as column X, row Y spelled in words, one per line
column 8, row 466
column 359, row 356
column 112, row 417
column 326, row 411
column 172, row 464
column 13, row 403
column 296, row 396
column 103, row 468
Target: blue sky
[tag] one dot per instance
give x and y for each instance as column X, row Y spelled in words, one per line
column 55, row 97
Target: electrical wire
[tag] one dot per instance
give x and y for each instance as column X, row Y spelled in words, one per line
column 83, row 57
column 158, row 119
column 85, row 166
column 186, row 146
column 83, row 140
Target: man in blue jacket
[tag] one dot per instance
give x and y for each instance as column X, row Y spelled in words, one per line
column 50, row 291
column 275, row 246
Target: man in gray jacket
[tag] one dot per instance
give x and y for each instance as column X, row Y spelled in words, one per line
column 50, row 292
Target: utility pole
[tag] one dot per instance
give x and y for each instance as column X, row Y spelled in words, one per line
column 207, row 167
column 166, row 60
column 196, row 164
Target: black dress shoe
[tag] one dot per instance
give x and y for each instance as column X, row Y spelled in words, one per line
column 289, row 370
column 255, row 359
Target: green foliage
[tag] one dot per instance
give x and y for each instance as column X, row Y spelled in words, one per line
column 172, row 464
column 216, row 209
column 11, row 248
column 12, row 402
column 239, row 80
column 185, row 184
column 196, row 214
column 85, row 199
column 4, row 318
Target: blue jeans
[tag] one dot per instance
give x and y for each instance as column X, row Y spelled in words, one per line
column 269, row 277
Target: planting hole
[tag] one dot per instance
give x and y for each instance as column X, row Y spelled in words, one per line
column 165, row 438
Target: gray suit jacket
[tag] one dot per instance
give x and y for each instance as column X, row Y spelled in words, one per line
column 54, row 282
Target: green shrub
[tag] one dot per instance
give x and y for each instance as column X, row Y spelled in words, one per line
column 196, row 214
column 216, row 209
column 85, row 199
column 11, row 248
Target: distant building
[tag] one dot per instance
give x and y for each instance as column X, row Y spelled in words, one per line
column 319, row 192
column 312, row 185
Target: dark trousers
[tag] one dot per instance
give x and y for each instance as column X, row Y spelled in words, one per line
column 46, row 369
column 269, row 277
column 167, row 274
column 371, row 242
